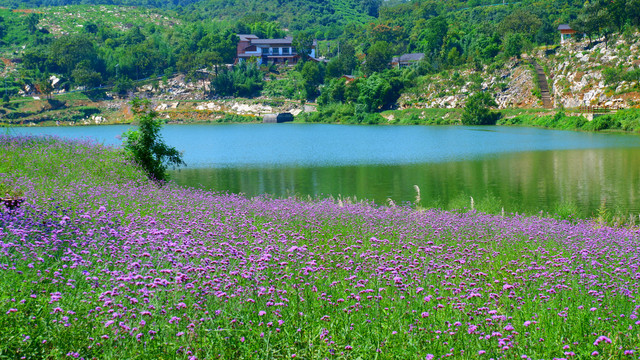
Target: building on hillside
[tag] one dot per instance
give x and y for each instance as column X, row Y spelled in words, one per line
column 276, row 51
column 566, row 33
column 406, row 60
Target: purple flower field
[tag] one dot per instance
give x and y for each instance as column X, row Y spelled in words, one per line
column 99, row 263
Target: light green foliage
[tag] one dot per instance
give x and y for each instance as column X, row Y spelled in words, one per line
column 513, row 44
column 290, row 87
column 477, row 110
column 146, row 145
column 373, row 92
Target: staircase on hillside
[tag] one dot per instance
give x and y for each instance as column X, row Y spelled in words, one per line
column 543, row 85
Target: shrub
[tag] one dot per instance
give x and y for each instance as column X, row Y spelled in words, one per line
column 146, row 144
column 477, row 110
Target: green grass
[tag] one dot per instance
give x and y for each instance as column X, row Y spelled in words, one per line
column 623, row 120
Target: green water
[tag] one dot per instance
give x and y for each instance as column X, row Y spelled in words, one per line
column 527, row 181
column 520, row 169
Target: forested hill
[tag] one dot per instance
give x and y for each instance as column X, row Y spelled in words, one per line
column 292, row 14
column 46, row 3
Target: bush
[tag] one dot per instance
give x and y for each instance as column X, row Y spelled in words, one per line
column 146, row 144
column 477, row 110
column 244, row 80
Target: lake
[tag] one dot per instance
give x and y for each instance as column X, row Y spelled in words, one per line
column 520, row 169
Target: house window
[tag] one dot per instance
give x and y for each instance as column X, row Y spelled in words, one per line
column 285, row 51
column 265, row 50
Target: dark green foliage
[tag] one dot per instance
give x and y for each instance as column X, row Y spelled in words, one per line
column 520, row 21
column 84, row 75
column 245, row 79
column 123, row 85
column 513, row 44
column 333, row 92
column 69, row 51
column 146, row 145
column 312, row 75
column 378, row 57
column 477, row 110
column 373, row 92
column 343, row 64
column 303, row 43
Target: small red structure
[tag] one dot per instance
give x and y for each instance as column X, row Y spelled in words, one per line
column 566, row 33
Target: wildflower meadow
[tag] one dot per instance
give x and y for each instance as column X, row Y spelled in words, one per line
column 100, row 263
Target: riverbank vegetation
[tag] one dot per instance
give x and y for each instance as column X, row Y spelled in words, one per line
column 622, row 120
column 100, row 262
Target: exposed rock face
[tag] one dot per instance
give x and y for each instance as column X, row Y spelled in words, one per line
column 574, row 75
column 577, row 78
column 512, row 85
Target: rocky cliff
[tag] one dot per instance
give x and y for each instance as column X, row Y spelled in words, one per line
column 585, row 73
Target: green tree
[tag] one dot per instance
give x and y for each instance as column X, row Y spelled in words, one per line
column 596, row 18
column 91, row 28
column 312, row 76
column 373, row 92
column 224, row 44
column 84, row 75
column 546, row 34
column 69, row 50
column 513, row 44
column 344, row 63
column 2, row 27
column 31, row 22
column 44, row 85
column 520, row 21
column 431, row 38
column 303, row 43
column 245, row 79
column 477, row 110
column 378, row 58
column 146, row 145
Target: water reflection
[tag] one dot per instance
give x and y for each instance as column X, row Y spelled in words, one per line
column 531, row 181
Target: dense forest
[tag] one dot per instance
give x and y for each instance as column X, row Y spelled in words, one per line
column 357, row 37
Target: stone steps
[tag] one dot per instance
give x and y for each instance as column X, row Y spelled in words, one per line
column 543, row 85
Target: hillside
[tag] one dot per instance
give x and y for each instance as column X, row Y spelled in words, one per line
column 73, row 19
column 578, row 73
column 323, row 17
column 596, row 74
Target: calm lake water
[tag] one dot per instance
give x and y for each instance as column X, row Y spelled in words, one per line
column 518, row 168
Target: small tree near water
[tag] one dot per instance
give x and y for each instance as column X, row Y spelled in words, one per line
column 146, row 144
column 477, row 110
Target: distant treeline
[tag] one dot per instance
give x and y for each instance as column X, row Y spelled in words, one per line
column 360, row 39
